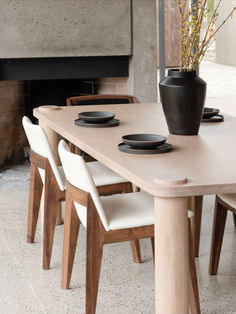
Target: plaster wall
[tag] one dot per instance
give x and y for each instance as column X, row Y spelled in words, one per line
column 225, row 39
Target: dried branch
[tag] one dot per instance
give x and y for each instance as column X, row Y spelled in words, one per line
column 193, row 48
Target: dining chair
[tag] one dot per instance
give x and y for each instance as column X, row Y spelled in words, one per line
column 45, row 172
column 223, row 204
column 111, row 219
column 112, row 99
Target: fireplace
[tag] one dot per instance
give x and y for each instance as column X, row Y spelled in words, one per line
column 52, row 80
column 56, row 49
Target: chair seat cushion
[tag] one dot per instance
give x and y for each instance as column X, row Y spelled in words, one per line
column 100, row 173
column 124, row 210
column 103, row 175
column 229, row 199
column 129, row 210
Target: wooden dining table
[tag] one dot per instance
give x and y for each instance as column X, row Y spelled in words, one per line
column 197, row 165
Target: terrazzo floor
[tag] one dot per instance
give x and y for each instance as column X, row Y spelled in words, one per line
column 125, row 287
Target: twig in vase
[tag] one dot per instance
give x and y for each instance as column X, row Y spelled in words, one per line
column 191, row 22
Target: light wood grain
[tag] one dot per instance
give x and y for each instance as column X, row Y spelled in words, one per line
column 171, row 255
column 205, row 160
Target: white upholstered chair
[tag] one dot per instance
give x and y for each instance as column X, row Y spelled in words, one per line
column 45, row 171
column 223, row 204
column 116, row 218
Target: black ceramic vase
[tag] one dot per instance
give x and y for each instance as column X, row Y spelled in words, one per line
column 183, row 96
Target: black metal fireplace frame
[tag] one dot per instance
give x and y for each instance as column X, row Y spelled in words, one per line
column 64, row 68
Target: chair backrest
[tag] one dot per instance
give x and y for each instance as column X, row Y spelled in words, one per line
column 39, row 144
column 100, row 100
column 77, row 173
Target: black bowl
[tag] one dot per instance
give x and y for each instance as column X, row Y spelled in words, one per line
column 144, row 140
column 210, row 112
column 96, row 116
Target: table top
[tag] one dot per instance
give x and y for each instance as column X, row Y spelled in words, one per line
column 207, row 160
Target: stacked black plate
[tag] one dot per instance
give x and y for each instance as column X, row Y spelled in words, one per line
column 144, row 144
column 97, row 119
column 211, row 115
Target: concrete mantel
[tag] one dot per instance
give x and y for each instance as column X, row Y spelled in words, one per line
column 59, row 28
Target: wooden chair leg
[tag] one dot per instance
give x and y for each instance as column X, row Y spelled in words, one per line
column 71, row 231
column 197, row 223
column 93, row 257
column 217, row 237
column 153, row 248
column 50, row 215
column 194, row 295
column 59, row 220
column 234, row 217
column 35, row 192
column 135, row 246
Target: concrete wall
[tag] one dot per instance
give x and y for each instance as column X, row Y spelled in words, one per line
column 142, row 80
column 58, row 28
column 226, row 37
column 61, row 28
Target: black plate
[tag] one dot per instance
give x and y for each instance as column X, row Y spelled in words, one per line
column 96, row 116
column 217, row 118
column 144, row 140
column 158, row 150
column 209, row 112
column 108, row 124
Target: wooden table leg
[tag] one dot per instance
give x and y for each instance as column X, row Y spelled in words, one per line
column 171, row 255
column 54, row 139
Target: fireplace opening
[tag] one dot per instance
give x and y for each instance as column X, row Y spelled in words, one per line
column 55, row 92
column 29, row 83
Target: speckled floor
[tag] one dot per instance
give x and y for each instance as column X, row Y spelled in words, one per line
column 125, row 287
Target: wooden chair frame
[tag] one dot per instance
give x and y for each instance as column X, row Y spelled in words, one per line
column 97, row 236
column 53, row 195
column 71, row 101
column 196, row 206
column 220, row 215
